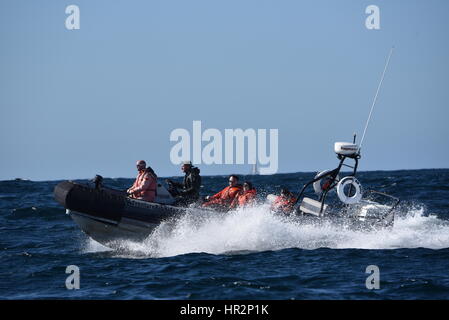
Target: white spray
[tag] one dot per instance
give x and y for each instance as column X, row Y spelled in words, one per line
column 257, row 229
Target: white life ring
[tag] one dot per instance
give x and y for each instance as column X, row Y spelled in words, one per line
column 317, row 187
column 341, row 190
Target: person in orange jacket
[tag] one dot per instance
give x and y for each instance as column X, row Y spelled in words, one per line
column 245, row 197
column 224, row 198
column 284, row 202
column 145, row 186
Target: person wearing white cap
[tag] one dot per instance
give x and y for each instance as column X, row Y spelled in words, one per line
column 189, row 190
column 144, row 188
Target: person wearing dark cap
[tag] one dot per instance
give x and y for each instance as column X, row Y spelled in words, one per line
column 284, row 202
column 188, row 191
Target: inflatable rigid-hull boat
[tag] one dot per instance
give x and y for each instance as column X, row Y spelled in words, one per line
column 108, row 215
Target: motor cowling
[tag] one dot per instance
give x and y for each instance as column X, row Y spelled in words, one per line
column 346, row 148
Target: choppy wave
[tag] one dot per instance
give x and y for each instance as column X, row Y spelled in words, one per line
column 247, row 254
column 258, row 229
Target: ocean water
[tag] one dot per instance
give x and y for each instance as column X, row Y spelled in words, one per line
column 246, row 254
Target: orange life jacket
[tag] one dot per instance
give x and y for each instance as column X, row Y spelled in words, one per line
column 145, row 186
column 224, row 197
column 244, row 198
column 284, row 204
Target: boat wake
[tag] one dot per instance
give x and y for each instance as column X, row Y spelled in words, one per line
column 257, row 229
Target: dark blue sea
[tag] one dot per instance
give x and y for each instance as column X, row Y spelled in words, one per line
column 248, row 254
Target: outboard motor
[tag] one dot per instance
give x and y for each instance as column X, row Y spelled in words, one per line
column 98, row 181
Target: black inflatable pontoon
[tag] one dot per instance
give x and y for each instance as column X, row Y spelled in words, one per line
column 108, row 215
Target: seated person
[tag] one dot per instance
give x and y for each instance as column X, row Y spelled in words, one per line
column 145, row 186
column 188, row 191
column 284, row 202
column 223, row 199
column 246, row 197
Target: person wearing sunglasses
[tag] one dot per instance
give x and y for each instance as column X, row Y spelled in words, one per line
column 223, row 199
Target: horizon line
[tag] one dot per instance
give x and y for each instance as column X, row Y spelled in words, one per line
column 214, row 175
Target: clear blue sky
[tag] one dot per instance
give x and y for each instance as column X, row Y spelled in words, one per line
column 94, row 100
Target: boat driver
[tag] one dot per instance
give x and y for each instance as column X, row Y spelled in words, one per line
column 188, row 191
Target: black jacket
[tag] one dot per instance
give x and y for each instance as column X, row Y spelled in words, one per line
column 191, row 184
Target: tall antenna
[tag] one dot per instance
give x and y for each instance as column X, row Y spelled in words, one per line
column 375, row 97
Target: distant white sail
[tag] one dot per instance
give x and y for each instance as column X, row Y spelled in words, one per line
column 255, row 171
